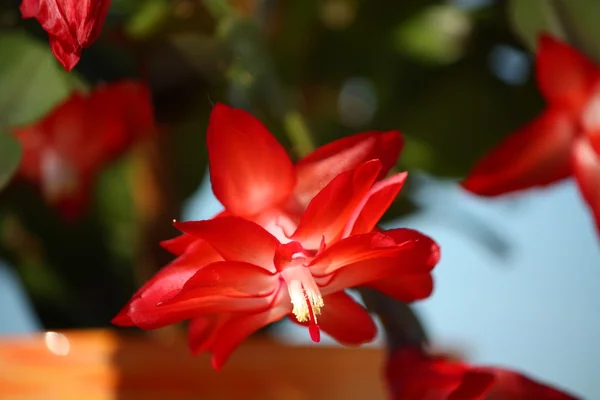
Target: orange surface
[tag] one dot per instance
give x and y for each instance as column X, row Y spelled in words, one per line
column 102, row 364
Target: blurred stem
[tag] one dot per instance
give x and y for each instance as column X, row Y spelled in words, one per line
column 297, row 131
column 254, row 67
column 401, row 324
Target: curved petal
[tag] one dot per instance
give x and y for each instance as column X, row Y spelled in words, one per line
column 345, row 320
column 236, row 239
column 354, row 249
column 586, row 168
column 415, row 256
column 329, row 211
column 374, row 205
column 70, row 24
column 222, row 281
column 535, row 155
column 512, row 385
column 142, row 308
column 203, row 331
column 406, row 288
column 414, row 375
column 234, row 331
column 565, row 76
column 249, row 170
column 179, row 244
column 319, row 168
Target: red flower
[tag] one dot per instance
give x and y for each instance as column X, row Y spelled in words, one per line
column 239, row 278
column 63, row 152
column 564, row 140
column 253, row 177
column 414, row 375
column 71, row 24
column 290, row 234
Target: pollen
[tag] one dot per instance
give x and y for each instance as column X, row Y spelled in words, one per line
column 306, row 303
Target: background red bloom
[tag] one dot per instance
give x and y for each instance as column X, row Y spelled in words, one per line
column 63, row 152
column 71, row 24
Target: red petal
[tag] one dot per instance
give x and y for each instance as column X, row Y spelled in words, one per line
column 71, row 24
column 203, row 331
column 535, row 155
column 225, row 286
column 317, row 169
column 232, row 333
column 512, row 385
column 406, row 288
column 474, row 385
column 416, row 254
column 236, row 239
column 330, row 210
column 374, row 205
column 351, row 250
column 565, row 76
column 413, row 375
column 64, row 53
column 142, row 309
column 345, row 320
column 586, row 168
column 249, row 170
column 179, row 244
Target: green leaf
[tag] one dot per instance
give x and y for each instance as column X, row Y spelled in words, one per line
column 532, row 17
column 575, row 21
column 31, row 80
column 10, row 155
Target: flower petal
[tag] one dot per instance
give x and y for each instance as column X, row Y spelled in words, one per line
column 236, row 239
column 345, row 320
column 415, row 254
column 535, row 155
column 179, row 244
column 203, row 331
column 70, row 24
column 586, row 168
column 249, row 170
column 512, row 385
column 234, row 331
column 227, row 279
column 142, row 309
column 565, row 76
column 351, row 250
column 330, row 210
column 374, row 205
column 225, row 286
column 414, row 375
column 407, row 288
column 318, row 168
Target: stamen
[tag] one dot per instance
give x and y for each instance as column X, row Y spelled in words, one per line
column 313, row 326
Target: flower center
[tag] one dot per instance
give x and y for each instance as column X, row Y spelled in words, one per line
column 304, row 293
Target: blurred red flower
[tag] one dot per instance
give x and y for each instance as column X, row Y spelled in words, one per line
column 63, row 152
column 414, row 375
column 304, row 235
column 71, row 24
column 563, row 141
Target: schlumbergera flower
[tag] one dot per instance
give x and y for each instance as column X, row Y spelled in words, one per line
column 563, row 141
column 292, row 238
column 71, row 24
column 63, row 152
column 412, row 374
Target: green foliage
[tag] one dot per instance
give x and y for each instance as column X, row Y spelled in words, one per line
column 31, row 80
column 10, row 155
